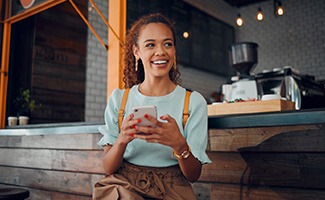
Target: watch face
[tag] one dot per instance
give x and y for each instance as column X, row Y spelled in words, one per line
column 185, row 154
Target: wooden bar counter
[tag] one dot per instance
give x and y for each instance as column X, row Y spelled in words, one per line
column 278, row 155
column 275, row 155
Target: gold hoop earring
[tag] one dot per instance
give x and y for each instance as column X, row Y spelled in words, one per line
column 175, row 63
column 136, row 63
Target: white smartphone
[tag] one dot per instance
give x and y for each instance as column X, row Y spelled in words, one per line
column 139, row 113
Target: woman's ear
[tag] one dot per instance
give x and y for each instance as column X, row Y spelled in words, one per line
column 135, row 51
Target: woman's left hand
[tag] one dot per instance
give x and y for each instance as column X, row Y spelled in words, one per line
column 166, row 133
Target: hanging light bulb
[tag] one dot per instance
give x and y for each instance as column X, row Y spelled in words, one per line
column 239, row 21
column 279, row 9
column 186, row 34
column 259, row 15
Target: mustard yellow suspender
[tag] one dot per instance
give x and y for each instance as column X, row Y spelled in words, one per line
column 186, row 113
column 122, row 107
column 121, row 111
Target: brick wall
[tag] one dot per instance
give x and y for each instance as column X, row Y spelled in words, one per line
column 96, row 65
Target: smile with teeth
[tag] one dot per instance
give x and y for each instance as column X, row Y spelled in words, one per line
column 159, row 62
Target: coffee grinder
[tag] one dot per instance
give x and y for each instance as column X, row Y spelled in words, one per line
column 243, row 58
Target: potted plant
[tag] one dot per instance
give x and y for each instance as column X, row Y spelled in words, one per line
column 25, row 104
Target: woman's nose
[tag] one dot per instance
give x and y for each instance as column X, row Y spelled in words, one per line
column 160, row 51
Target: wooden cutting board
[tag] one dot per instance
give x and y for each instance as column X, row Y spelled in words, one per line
column 250, row 107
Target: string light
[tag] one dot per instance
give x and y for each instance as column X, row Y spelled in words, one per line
column 259, row 15
column 278, row 8
column 186, row 35
column 278, row 11
column 239, row 21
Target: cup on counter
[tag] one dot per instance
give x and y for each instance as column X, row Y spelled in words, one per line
column 12, row 121
column 23, row 120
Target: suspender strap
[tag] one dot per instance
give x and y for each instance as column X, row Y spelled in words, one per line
column 186, row 107
column 122, row 107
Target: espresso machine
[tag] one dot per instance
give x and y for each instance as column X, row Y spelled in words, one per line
column 293, row 86
column 243, row 58
column 287, row 82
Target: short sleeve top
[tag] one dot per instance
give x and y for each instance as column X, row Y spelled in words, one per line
column 142, row 153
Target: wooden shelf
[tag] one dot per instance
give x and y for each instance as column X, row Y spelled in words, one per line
column 250, row 107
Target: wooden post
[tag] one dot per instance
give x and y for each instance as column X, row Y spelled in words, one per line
column 4, row 72
column 117, row 20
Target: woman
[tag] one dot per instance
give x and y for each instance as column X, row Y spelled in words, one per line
column 137, row 160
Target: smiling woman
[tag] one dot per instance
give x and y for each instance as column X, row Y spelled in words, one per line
column 151, row 73
column 156, row 49
column 150, row 46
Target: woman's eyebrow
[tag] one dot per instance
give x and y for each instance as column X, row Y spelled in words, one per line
column 152, row 40
column 149, row 40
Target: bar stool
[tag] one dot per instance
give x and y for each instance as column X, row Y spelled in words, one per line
column 13, row 193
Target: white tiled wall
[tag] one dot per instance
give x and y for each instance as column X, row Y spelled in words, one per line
column 295, row 39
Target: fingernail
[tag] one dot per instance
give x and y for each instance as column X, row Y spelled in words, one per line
column 146, row 116
column 139, row 120
column 131, row 135
column 133, row 126
column 149, row 126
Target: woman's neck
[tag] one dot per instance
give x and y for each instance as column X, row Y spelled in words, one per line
column 156, row 89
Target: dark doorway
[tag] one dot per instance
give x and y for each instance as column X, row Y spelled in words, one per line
column 48, row 57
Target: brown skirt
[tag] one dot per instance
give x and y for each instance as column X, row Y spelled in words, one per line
column 132, row 182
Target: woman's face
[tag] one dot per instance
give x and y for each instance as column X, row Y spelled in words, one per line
column 156, row 49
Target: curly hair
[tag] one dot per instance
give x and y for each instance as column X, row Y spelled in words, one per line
column 132, row 77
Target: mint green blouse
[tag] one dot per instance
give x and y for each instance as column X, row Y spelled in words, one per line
column 140, row 152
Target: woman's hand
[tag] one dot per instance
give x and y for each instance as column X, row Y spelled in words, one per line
column 113, row 154
column 166, row 133
column 128, row 130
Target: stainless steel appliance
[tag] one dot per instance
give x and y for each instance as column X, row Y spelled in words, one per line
column 302, row 89
column 243, row 58
column 289, row 84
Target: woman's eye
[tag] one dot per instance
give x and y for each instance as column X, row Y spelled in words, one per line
column 150, row 45
column 168, row 44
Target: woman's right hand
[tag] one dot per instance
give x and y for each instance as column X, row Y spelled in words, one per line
column 113, row 154
column 127, row 130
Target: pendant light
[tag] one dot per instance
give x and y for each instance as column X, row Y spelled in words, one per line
column 259, row 14
column 278, row 9
column 239, row 21
column 186, row 34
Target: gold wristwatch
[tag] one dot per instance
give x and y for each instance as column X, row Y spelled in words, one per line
column 185, row 154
